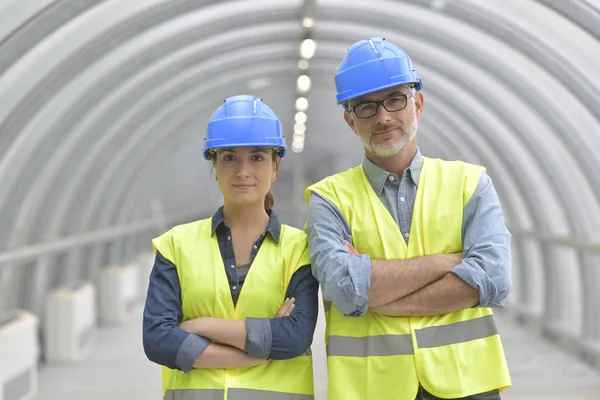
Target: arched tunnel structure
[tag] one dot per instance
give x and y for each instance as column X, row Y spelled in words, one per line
column 104, row 104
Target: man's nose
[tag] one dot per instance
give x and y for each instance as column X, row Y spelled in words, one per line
column 382, row 115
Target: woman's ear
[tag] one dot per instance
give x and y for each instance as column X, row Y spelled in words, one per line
column 276, row 161
column 213, row 167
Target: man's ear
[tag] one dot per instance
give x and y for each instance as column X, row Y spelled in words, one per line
column 419, row 104
column 349, row 120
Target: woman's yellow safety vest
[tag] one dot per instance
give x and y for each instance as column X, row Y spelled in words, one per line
column 380, row 357
column 205, row 293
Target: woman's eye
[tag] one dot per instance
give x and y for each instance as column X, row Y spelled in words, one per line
column 228, row 157
column 258, row 158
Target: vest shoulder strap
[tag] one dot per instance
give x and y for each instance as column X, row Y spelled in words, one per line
column 165, row 244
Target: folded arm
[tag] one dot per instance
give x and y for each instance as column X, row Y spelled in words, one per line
column 446, row 295
column 395, row 279
column 164, row 342
column 483, row 276
column 288, row 335
column 224, row 356
column 357, row 282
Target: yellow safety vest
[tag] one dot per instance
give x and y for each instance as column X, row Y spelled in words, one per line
column 205, row 293
column 380, row 357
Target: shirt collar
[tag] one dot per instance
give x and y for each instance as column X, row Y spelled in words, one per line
column 274, row 226
column 377, row 176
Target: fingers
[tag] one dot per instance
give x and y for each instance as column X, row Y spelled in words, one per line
column 287, row 308
column 290, row 309
column 291, row 304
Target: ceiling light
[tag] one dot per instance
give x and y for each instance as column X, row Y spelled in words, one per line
column 301, row 128
column 301, row 104
column 303, row 83
column 308, row 22
column 308, row 48
column 303, row 65
column 300, row 117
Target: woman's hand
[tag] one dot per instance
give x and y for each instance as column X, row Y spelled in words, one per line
column 200, row 324
column 287, row 308
column 230, row 332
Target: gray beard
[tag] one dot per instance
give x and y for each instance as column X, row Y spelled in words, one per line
column 390, row 149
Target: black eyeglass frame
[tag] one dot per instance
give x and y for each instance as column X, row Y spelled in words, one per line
column 381, row 102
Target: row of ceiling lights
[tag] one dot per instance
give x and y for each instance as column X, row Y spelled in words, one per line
column 303, row 85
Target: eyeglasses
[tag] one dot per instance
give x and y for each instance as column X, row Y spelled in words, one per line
column 393, row 103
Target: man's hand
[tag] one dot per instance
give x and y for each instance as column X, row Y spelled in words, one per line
column 287, row 308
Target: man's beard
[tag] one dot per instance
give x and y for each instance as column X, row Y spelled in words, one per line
column 392, row 147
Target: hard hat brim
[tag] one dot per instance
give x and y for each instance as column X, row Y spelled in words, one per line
column 277, row 143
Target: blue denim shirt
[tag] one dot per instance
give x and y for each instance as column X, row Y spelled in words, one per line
column 346, row 279
column 273, row 338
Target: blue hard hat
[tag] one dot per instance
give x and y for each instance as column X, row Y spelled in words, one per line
column 243, row 121
column 373, row 64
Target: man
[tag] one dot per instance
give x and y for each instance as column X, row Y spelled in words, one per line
column 412, row 252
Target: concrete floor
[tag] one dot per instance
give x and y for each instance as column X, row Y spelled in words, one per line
column 118, row 369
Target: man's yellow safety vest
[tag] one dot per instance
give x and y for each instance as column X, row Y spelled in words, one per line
column 381, row 357
column 205, row 293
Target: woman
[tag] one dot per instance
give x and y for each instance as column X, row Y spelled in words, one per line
column 215, row 340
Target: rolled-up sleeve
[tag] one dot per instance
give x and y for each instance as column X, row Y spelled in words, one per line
column 486, row 265
column 287, row 337
column 259, row 337
column 164, row 342
column 345, row 279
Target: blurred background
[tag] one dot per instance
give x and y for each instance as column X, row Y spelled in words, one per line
column 103, row 109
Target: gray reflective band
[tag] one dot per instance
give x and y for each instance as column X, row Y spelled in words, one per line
column 434, row 336
column 195, row 394
column 327, row 306
column 232, row 394
column 252, row 394
column 383, row 345
column 459, row 332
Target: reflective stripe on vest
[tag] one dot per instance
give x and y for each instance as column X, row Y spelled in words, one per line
column 393, row 345
column 195, row 394
column 253, row 394
column 232, row 394
column 384, row 345
column 458, row 332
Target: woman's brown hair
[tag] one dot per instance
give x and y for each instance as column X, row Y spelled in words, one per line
column 269, row 201
column 269, row 198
